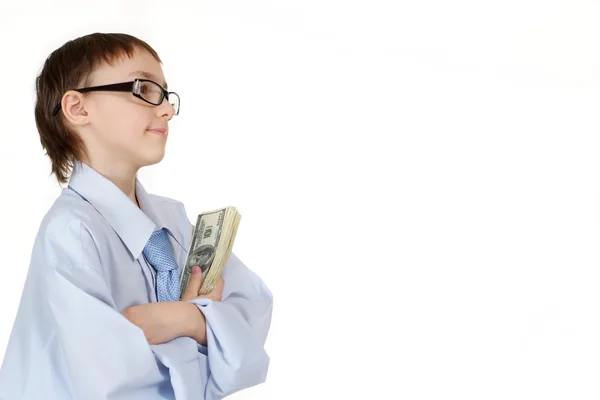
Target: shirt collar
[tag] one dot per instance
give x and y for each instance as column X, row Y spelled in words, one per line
column 133, row 225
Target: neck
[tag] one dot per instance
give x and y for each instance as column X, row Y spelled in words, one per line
column 121, row 174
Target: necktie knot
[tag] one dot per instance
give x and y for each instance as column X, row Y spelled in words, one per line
column 159, row 253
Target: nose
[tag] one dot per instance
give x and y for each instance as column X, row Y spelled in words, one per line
column 165, row 109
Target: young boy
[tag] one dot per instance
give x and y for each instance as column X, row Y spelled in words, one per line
column 100, row 316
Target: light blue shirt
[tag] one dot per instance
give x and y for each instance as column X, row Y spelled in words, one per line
column 70, row 340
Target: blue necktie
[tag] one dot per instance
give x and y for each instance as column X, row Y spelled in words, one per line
column 159, row 253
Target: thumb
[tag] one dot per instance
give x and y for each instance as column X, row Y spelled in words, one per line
column 193, row 286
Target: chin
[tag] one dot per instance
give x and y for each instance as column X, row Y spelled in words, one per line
column 152, row 159
column 157, row 159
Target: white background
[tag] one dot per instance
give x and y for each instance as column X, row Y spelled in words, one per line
column 419, row 181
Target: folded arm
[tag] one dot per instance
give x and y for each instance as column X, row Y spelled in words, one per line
column 90, row 350
column 101, row 354
column 236, row 331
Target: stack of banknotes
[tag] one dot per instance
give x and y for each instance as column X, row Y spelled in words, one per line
column 210, row 247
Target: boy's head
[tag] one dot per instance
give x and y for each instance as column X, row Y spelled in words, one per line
column 108, row 129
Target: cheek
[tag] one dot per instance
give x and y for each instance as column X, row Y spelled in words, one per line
column 139, row 119
column 123, row 123
column 130, row 123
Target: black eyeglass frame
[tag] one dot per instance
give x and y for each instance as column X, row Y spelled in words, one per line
column 130, row 86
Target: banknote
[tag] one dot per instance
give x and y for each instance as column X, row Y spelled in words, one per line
column 210, row 247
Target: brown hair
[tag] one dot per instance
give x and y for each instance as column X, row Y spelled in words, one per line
column 69, row 67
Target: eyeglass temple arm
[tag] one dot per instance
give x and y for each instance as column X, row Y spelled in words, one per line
column 125, row 86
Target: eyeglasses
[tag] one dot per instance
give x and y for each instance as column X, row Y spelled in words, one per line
column 145, row 89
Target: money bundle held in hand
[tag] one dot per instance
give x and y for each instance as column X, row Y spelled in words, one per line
column 210, row 247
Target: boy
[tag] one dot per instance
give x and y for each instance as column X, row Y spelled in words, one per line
column 100, row 316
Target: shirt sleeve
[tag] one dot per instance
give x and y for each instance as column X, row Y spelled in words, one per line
column 80, row 345
column 237, row 329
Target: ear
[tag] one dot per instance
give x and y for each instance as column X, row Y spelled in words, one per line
column 73, row 108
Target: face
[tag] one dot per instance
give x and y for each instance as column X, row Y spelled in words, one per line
column 116, row 126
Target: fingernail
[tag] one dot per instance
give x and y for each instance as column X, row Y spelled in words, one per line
column 195, row 269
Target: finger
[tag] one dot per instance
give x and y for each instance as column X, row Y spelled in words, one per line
column 193, row 287
column 217, row 293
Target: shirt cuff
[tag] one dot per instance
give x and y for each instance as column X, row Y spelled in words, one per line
column 200, row 303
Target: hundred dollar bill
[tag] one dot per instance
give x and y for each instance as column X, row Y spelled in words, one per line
column 210, row 247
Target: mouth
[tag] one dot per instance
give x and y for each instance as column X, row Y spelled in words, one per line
column 161, row 132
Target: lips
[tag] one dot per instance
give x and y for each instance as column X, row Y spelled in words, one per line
column 160, row 131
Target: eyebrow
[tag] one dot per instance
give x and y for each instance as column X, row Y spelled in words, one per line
column 148, row 75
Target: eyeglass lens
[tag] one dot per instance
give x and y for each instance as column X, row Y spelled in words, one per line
column 153, row 93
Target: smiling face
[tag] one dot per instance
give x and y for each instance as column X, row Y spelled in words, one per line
column 116, row 127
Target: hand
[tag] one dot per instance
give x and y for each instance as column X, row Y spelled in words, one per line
column 195, row 283
column 164, row 321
